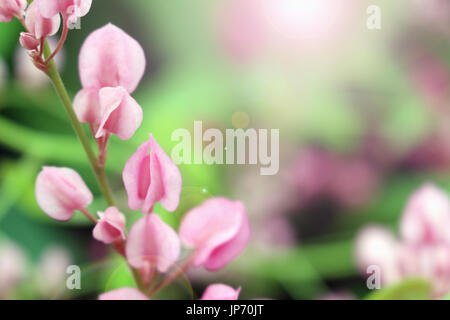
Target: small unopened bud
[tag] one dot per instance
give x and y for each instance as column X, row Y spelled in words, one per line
column 28, row 41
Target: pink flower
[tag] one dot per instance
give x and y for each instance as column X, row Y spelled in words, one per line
column 376, row 246
column 11, row 8
column 13, row 265
column 123, row 294
column 152, row 243
column 220, row 292
column 73, row 9
column 152, row 178
column 111, row 65
column 109, row 110
column 427, row 216
column 61, row 191
column 111, row 58
column 110, row 227
column 40, row 26
column 28, row 41
column 423, row 250
column 218, row 230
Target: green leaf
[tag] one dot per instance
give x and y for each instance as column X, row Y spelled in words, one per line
column 410, row 289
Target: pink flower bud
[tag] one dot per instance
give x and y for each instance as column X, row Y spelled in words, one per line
column 73, row 9
column 61, row 191
column 11, row 8
column 152, row 178
column 220, row 292
column 110, row 227
column 218, row 230
column 123, row 294
column 111, row 58
column 427, row 216
column 40, row 26
column 152, row 243
column 109, row 110
column 28, row 41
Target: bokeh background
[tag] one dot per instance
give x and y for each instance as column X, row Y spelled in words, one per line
column 363, row 118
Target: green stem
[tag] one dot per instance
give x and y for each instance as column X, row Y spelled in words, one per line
column 99, row 171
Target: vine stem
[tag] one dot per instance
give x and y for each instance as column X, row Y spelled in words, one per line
column 53, row 74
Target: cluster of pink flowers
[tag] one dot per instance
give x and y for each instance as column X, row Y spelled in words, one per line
column 423, row 249
column 111, row 65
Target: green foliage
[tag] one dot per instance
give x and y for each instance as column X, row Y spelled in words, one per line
column 410, row 289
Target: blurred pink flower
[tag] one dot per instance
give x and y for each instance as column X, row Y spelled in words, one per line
column 218, row 230
column 152, row 243
column 318, row 173
column 423, row 249
column 220, row 292
column 51, row 272
column 11, row 8
column 249, row 29
column 111, row 65
column 61, row 191
column 123, row 294
column 110, row 227
column 242, row 29
column 12, row 267
column 426, row 218
column 377, row 246
column 40, row 26
column 432, row 78
column 152, row 178
column 73, row 9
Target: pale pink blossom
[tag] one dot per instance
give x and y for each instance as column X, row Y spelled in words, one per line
column 220, row 292
column 40, row 26
column 61, row 191
column 73, row 9
column 12, row 267
column 11, row 8
column 51, row 272
column 109, row 111
column 111, row 58
column 427, row 216
column 28, row 41
column 422, row 250
column 152, row 177
column 123, row 294
column 152, row 243
column 377, row 246
column 218, row 231
column 110, row 227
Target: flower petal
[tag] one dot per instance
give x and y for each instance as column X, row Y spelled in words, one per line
column 121, row 114
column 87, row 106
column 111, row 58
column 40, row 26
column 136, row 176
column 220, row 292
column 152, row 242
column 166, row 181
column 218, row 230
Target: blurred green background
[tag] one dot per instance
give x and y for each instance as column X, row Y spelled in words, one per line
column 369, row 107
